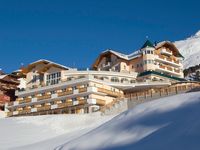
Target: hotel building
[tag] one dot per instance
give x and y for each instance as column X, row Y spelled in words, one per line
column 53, row 88
column 152, row 62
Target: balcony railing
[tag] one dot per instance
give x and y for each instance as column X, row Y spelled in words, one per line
column 163, row 67
column 43, row 97
column 65, row 93
column 112, row 93
column 81, row 90
column 169, row 68
column 100, row 102
column 166, row 51
column 169, row 60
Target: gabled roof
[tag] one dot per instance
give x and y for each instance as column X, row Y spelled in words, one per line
column 147, row 44
column 123, row 56
column 49, row 62
column 171, row 45
column 8, row 78
column 120, row 55
column 44, row 61
column 2, row 76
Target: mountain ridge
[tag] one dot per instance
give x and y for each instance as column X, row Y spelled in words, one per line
column 190, row 49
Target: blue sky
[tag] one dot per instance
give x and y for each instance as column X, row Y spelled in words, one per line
column 74, row 32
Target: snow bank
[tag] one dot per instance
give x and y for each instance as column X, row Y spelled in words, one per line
column 17, row 132
column 168, row 123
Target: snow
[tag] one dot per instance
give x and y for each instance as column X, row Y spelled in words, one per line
column 190, row 49
column 21, row 132
column 124, row 56
column 166, row 123
column 2, row 76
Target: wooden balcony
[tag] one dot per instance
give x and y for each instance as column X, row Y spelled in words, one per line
column 162, row 67
column 177, row 71
column 161, row 57
column 27, row 100
column 69, row 103
column 62, row 105
column 100, row 102
column 176, row 61
column 43, row 97
column 24, row 111
column 111, row 93
column 65, row 93
column 169, row 59
column 9, row 114
column 82, row 101
column 21, row 101
column 169, row 68
column 81, row 90
column 47, row 107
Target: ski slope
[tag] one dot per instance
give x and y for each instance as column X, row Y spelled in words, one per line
column 167, row 123
column 32, row 132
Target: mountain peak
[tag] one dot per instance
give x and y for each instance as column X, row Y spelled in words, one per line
column 198, row 33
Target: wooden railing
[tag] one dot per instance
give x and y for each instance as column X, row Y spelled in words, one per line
column 112, row 93
column 100, row 102
column 177, row 71
column 152, row 94
column 43, row 97
column 169, row 68
column 81, row 90
column 27, row 100
column 160, row 56
column 163, row 67
column 65, row 93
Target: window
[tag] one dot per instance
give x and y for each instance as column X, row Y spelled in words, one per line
column 35, row 78
column 86, row 97
column 114, row 79
column 149, row 61
column 124, row 80
column 53, row 78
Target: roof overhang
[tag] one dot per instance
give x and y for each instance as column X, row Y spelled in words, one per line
column 171, row 46
column 47, row 63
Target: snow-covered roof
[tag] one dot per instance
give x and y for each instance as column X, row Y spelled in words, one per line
column 124, row 56
column 50, row 62
column 2, row 76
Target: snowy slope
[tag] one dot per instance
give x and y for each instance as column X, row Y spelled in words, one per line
column 21, row 131
column 168, row 123
column 190, row 49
